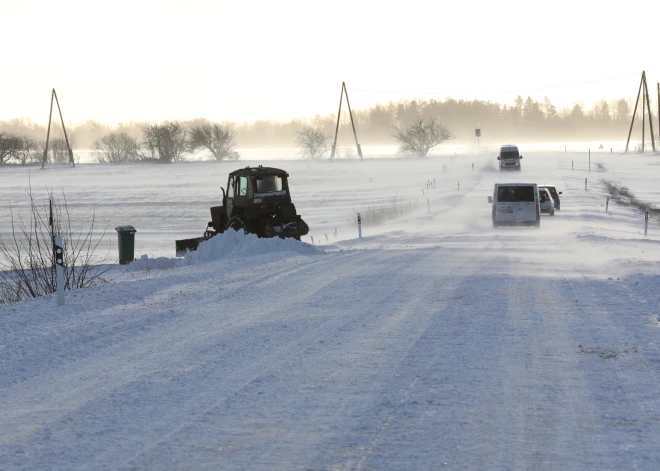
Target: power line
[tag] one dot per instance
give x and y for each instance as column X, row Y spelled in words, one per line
column 495, row 92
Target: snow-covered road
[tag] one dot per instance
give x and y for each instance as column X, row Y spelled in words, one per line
column 454, row 346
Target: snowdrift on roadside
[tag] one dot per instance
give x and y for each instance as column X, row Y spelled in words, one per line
column 237, row 244
column 231, row 244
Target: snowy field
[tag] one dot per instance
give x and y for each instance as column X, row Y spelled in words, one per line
column 433, row 342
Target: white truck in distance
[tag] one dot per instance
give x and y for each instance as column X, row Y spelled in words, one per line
column 509, row 157
column 516, row 204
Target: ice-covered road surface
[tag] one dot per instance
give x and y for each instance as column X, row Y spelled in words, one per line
column 447, row 345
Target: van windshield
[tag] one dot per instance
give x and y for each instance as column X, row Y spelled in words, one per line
column 514, row 194
column 510, row 154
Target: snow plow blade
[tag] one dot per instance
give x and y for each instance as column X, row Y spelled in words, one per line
column 188, row 245
column 286, row 229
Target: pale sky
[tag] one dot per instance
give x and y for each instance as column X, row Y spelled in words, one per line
column 118, row 61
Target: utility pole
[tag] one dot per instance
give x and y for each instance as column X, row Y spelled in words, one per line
column 350, row 113
column 643, row 119
column 643, row 90
column 53, row 96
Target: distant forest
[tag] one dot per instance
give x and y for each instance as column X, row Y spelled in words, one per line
column 526, row 120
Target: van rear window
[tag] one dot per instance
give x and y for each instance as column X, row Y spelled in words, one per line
column 514, row 194
column 510, row 154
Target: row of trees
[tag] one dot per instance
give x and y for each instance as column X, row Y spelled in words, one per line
column 166, row 142
column 418, row 138
column 23, row 149
column 525, row 119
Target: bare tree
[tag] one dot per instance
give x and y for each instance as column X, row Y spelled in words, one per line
column 421, row 136
column 116, row 148
column 14, row 147
column 313, row 142
column 216, row 138
column 26, row 256
column 165, row 142
column 58, row 152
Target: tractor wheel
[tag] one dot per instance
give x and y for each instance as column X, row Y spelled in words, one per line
column 236, row 223
column 269, row 231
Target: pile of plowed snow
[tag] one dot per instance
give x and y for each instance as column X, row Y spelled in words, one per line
column 231, row 244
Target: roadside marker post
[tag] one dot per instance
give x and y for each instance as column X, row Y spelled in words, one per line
column 59, row 270
column 607, row 203
column 585, row 184
column 359, row 220
column 428, row 203
column 646, row 222
column 571, row 165
column 312, row 239
column 459, row 186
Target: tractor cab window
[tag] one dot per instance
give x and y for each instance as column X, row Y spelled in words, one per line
column 269, row 184
column 242, row 186
column 230, row 188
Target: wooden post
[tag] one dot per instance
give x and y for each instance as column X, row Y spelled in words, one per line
column 643, row 115
column 648, row 108
column 50, row 117
column 350, row 113
column 635, row 112
column 66, row 137
column 334, row 145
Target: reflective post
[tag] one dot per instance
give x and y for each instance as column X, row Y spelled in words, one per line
column 359, row 221
column 59, row 270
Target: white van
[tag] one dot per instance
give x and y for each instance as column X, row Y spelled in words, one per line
column 509, row 157
column 516, row 203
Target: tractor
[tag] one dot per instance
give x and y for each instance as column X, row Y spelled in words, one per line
column 257, row 201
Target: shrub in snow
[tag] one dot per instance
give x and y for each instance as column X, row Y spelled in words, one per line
column 27, row 259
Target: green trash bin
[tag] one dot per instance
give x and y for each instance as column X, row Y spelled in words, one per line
column 126, row 235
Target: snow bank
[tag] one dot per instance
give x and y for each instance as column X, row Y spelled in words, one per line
column 231, row 244
column 238, row 244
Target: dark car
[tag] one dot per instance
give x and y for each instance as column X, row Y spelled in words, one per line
column 554, row 193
